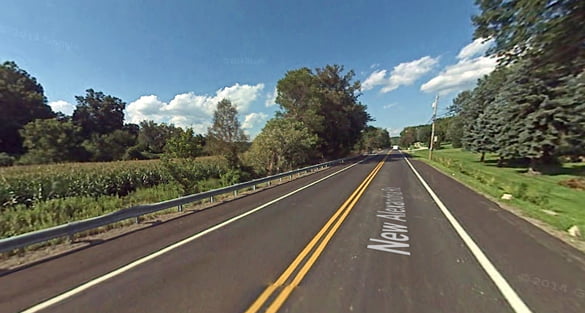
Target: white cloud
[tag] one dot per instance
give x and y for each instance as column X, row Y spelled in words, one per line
column 253, row 119
column 270, row 98
column 189, row 109
column 375, row 79
column 375, row 65
column 62, row 106
column 407, row 73
column 477, row 48
column 460, row 76
column 390, row 105
column 403, row 74
column 471, row 65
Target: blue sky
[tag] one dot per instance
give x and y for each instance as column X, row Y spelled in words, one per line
column 171, row 61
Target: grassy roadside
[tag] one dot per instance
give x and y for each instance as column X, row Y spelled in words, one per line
column 537, row 196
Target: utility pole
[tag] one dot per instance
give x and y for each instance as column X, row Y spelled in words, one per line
column 435, row 104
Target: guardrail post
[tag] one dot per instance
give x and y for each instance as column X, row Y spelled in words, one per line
column 211, row 199
column 290, row 177
column 235, row 193
column 269, row 183
column 137, row 220
column 180, row 208
column 253, row 187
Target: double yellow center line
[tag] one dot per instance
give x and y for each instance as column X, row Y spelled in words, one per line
column 328, row 231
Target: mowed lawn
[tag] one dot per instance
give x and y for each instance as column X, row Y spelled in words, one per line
column 537, row 196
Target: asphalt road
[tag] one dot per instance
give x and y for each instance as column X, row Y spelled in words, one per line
column 370, row 238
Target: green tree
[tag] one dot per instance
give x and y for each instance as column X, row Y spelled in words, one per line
column 327, row 103
column 455, row 132
column 282, row 145
column 22, row 100
column 153, row 137
column 571, row 99
column 407, row 137
column 539, row 121
column 538, row 109
column 51, row 141
column 185, row 144
column 97, row 113
column 109, row 147
column 423, row 134
column 374, row 138
column 480, row 126
column 226, row 135
column 547, row 32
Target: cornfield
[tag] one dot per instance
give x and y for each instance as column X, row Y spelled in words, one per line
column 37, row 197
column 31, row 184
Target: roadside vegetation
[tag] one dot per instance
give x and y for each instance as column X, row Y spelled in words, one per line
column 551, row 197
column 55, row 168
column 522, row 128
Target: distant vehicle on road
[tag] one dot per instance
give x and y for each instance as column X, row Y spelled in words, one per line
column 395, row 147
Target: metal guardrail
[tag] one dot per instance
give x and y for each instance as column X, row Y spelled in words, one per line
column 70, row 229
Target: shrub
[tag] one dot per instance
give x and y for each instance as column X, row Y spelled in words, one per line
column 6, row 159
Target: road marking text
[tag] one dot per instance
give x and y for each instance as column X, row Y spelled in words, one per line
column 394, row 236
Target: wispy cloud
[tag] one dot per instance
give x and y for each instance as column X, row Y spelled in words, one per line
column 464, row 74
column 403, row 74
column 477, row 48
column 390, row 105
column 375, row 79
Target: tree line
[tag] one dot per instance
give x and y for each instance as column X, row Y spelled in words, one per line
column 320, row 118
column 531, row 108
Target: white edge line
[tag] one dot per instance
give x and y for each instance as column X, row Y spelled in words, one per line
column 45, row 304
column 507, row 291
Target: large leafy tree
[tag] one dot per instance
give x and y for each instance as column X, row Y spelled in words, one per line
column 282, row 145
column 374, row 138
column 153, row 137
column 407, row 137
column 98, row 113
column 185, row 144
column 225, row 136
column 109, row 147
column 22, row 100
column 326, row 101
column 51, row 141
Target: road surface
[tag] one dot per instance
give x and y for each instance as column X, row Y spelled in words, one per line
column 373, row 236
